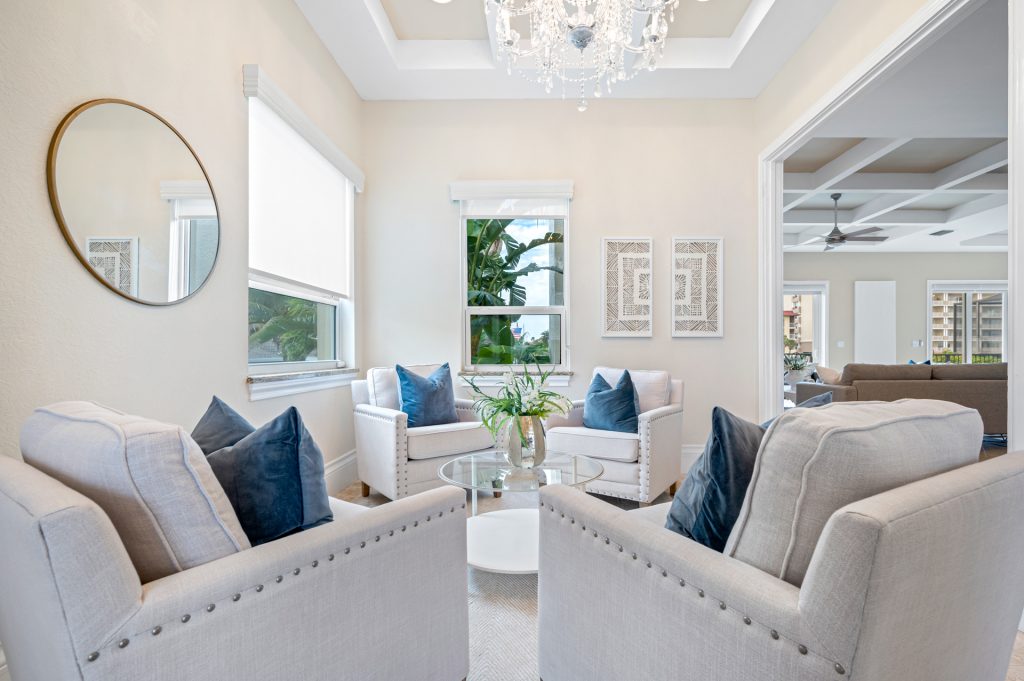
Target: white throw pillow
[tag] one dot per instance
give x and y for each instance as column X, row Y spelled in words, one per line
column 827, row 375
column 812, row 462
column 150, row 478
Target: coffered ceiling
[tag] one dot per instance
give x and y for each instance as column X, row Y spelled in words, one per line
column 419, row 49
column 921, row 157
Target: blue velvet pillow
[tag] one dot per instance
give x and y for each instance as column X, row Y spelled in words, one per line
column 221, row 426
column 709, row 501
column 428, row 401
column 274, row 479
column 608, row 408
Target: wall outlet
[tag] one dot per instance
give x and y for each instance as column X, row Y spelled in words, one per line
column 840, row 344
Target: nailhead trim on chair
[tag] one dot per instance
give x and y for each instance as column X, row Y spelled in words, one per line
column 683, row 583
column 236, row 596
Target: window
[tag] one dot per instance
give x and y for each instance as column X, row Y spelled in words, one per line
column 515, row 274
column 967, row 321
column 805, row 320
column 301, row 215
column 194, row 235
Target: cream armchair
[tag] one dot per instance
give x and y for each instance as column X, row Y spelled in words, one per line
column 349, row 599
column 921, row 582
column 638, row 466
column 396, row 460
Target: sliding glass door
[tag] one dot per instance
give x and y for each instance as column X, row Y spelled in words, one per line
column 968, row 322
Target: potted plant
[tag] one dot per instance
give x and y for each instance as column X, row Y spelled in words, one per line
column 796, row 367
column 517, row 411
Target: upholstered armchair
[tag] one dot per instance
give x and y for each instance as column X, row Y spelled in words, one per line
column 349, row 599
column 923, row 581
column 638, row 466
column 397, row 460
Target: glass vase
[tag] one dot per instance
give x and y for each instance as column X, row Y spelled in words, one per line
column 526, row 447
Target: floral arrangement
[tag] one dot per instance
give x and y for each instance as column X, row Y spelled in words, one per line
column 521, row 395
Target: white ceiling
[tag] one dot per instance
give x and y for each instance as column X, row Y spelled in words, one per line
column 418, row 49
column 922, row 152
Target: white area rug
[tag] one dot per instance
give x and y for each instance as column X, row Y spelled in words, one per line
column 502, row 627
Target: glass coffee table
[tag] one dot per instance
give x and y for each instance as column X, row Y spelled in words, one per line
column 508, row 541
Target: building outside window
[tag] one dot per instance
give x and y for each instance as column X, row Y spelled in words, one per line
column 968, row 322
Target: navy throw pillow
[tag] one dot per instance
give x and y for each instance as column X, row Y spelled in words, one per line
column 220, row 427
column 608, row 408
column 428, row 401
column 274, row 479
column 709, row 501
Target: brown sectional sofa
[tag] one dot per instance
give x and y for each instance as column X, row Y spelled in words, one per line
column 979, row 386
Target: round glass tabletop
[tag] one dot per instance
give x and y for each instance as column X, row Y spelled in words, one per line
column 492, row 472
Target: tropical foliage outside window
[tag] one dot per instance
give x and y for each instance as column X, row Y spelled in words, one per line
column 515, row 292
column 288, row 329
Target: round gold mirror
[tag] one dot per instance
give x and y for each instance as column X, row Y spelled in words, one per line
column 133, row 201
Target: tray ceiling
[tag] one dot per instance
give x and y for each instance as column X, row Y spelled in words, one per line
column 418, row 49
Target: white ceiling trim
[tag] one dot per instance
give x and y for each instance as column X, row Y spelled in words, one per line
column 359, row 35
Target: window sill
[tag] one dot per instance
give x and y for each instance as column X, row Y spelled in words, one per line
column 269, row 386
column 493, row 379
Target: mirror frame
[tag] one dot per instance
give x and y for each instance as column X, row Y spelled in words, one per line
column 58, row 213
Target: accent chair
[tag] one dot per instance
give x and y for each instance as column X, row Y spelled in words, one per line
column 637, row 466
column 868, row 548
column 396, row 460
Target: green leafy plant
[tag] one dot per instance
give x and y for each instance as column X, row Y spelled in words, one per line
column 520, row 395
column 493, row 280
column 794, row 362
column 289, row 322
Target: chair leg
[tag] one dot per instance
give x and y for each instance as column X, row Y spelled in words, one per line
column 672, row 489
column 644, row 504
column 365, row 491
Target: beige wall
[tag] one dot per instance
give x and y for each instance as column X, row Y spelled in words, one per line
column 851, row 31
column 64, row 335
column 653, row 169
column 910, row 271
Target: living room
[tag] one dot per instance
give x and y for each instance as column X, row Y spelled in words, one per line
column 416, row 129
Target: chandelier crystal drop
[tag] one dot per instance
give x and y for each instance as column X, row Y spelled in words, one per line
column 589, row 44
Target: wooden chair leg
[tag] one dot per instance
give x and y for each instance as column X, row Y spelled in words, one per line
column 365, row 491
column 672, row 489
column 644, row 504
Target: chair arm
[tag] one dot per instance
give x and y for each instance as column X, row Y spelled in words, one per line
column 382, row 448
column 840, row 393
column 377, row 595
column 573, row 419
column 661, row 449
column 598, row 562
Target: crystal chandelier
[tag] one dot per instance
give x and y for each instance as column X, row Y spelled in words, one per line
column 587, row 44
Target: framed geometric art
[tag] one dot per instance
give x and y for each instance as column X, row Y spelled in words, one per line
column 697, row 298
column 116, row 260
column 627, row 266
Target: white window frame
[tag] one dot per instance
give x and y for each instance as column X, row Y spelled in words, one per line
column 967, row 286
column 505, row 195
column 820, row 291
column 255, row 83
column 188, row 200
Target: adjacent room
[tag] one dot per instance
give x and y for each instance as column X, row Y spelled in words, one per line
column 506, row 340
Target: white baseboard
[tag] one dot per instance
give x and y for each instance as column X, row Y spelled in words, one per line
column 341, row 472
column 690, row 454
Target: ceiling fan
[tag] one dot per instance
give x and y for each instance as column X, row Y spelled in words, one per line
column 837, row 238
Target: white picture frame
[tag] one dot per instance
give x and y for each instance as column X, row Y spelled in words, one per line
column 627, row 287
column 698, row 287
column 116, row 259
